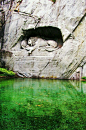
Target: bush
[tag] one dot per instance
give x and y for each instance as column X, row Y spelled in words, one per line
column 84, row 77
column 5, row 72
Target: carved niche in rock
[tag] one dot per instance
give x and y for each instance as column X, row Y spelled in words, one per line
column 47, row 36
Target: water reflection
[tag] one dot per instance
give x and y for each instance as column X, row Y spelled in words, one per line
column 79, row 86
column 31, row 104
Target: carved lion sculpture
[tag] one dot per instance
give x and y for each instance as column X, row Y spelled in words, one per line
column 38, row 43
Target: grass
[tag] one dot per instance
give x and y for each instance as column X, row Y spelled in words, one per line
column 5, row 72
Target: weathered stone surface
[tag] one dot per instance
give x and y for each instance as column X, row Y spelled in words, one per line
column 63, row 14
column 40, row 59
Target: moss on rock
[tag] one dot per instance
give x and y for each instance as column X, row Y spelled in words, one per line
column 5, row 72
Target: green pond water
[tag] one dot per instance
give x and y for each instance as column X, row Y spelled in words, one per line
column 33, row 104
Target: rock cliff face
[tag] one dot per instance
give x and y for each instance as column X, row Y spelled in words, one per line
column 46, row 39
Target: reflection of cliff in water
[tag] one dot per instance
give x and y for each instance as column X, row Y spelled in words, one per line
column 79, row 86
column 35, row 104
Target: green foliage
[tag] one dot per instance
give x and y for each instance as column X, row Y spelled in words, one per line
column 5, row 72
column 84, row 77
column 53, row 1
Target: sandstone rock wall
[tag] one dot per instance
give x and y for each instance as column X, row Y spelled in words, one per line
column 62, row 63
